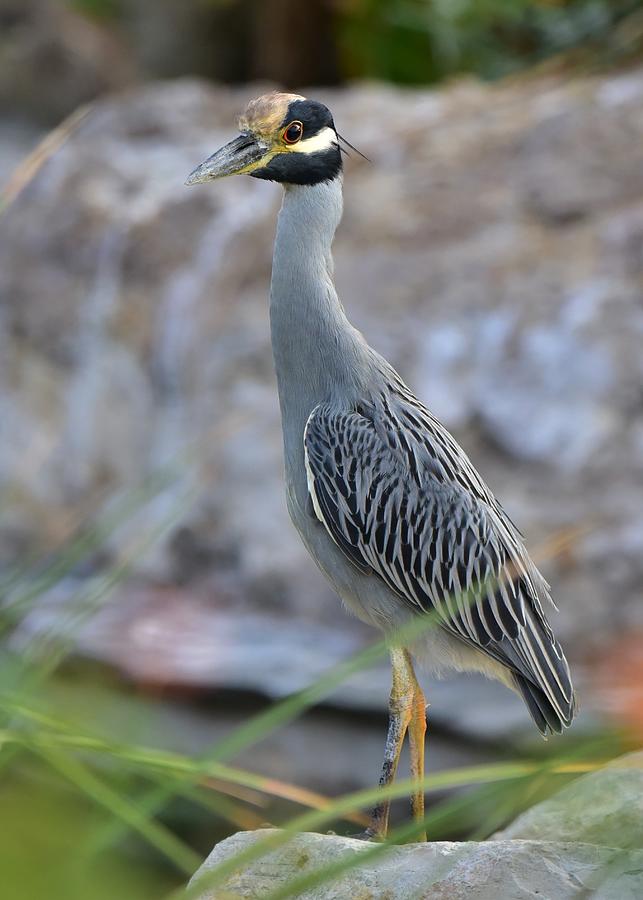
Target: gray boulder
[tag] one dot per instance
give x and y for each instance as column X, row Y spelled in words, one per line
column 604, row 807
column 498, row 870
column 585, row 841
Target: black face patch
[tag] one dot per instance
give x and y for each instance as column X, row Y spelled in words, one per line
column 313, row 116
column 302, row 168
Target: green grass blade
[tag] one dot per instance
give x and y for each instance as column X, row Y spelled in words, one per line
column 87, row 783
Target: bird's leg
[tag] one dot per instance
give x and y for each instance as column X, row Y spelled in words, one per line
column 403, row 693
column 417, row 731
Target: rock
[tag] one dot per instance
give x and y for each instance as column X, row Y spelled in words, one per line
column 604, row 807
column 520, row 870
column 587, row 840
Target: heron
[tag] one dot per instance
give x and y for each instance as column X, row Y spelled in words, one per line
column 385, row 500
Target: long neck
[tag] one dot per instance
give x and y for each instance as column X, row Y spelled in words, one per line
column 317, row 351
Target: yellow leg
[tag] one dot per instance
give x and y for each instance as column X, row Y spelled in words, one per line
column 417, row 732
column 406, row 708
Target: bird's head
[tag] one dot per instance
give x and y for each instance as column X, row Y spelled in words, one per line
column 284, row 137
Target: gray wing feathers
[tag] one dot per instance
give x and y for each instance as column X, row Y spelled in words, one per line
column 402, row 500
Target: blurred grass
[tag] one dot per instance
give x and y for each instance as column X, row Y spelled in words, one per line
column 30, row 166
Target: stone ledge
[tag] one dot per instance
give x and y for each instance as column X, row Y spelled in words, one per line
column 604, row 807
column 492, row 870
column 585, row 841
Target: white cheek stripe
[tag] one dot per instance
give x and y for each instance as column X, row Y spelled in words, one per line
column 323, row 140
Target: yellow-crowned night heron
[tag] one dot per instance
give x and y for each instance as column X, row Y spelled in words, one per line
column 387, row 503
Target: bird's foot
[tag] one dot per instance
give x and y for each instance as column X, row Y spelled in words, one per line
column 369, row 834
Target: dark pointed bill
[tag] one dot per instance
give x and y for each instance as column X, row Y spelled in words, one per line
column 233, row 159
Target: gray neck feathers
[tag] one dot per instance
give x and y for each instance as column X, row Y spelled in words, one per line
column 317, row 352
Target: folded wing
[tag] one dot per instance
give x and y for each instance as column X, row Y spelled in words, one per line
column 402, row 500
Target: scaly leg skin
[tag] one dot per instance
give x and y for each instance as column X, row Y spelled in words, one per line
column 404, row 704
column 417, row 732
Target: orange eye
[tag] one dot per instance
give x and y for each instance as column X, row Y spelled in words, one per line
column 293, row 132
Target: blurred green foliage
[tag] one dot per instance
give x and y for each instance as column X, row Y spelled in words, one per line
column 98, row 9
column 424, row 41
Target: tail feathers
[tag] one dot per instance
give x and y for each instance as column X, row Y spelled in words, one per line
column 543, row 679
column 540, row 674
column 550, row 717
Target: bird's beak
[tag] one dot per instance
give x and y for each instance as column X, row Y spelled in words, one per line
column 242, row 155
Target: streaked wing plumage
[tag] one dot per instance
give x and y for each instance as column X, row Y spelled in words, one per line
column 402, row 500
